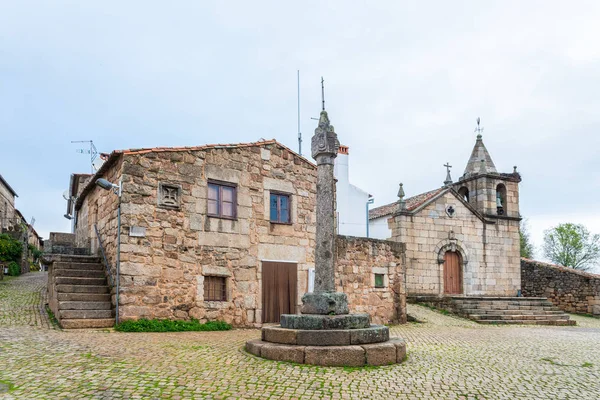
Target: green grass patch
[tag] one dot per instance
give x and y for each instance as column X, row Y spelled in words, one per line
column 6, row 386
column 587, row 365
column 52, row 318
column 167, row 325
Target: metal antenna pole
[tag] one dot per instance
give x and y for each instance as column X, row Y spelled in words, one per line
column 323, row 94
column 299, row 133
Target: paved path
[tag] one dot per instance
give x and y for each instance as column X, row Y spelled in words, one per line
column 449, row 358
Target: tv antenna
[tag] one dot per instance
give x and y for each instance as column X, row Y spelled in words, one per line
column 299, row 133
column 92, row 151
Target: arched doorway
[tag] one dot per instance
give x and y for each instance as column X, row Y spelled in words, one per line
column 452, row 273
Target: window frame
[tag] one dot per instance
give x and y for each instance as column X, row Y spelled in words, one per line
column 219, row 200
column 279, row 195
column 207, row 288
column 375, row 281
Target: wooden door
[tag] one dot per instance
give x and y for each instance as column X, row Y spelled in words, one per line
column 279, row 290
column 452, row 273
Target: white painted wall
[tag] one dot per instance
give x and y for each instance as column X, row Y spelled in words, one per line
column 378, row 228
column 351, row 201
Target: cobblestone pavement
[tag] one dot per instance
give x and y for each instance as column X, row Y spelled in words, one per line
column 449, row 358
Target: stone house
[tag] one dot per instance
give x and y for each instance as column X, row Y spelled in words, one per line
column 224, row 232
column 462, row 238
column 7, row 206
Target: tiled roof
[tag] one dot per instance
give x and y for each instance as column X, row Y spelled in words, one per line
column 112, row 158
column 412, row 203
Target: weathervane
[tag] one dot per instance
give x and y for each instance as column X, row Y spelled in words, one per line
column 478, row 129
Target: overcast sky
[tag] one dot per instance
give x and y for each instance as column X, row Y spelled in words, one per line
column 405, row 83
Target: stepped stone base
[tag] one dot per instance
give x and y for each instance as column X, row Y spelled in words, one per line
column 315, row 322
column 331, row 337
column 500, row 310
column 389, row 352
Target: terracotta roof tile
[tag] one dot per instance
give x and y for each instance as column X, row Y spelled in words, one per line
column 412, row 203
column 111, row 158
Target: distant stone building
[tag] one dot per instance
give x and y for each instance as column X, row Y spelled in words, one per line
column 225, row 232
column 7, row 206
column 462, row 238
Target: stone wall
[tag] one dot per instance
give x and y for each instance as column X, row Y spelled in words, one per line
column 167, row 251
column 357, row 262
column 570, row 290
column 489, row 250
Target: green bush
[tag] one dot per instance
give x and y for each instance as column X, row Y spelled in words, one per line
column 167, row 325
column 10, row 249
column 14, row 269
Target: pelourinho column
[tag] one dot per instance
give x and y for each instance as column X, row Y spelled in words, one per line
column 324, row 300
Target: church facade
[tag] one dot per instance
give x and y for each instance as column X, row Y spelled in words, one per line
column 462, row 238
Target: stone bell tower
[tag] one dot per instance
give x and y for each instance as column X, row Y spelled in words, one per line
column 491, row 193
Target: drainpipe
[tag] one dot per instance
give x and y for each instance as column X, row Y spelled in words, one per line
column 371, row 200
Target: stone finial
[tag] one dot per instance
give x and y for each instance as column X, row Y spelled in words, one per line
column 324, row 144
column 401, row 201
column 448, row 180
column 515, row 170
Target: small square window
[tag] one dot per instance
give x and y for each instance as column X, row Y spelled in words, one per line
column 222, row 200
column 280, row 208
column 379, row 281
column 215, row 288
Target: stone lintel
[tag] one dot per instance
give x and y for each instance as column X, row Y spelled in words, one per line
column 325, row 303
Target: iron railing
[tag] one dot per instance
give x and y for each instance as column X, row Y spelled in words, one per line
column 107, row 268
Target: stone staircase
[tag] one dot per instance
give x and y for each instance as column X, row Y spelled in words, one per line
column 501, row 310
column 81, row 297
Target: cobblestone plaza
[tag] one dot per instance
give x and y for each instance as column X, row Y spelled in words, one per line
column 448, row 358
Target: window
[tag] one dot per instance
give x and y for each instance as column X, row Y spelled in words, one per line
column 379, row 280
column 464, row 193
column 501, row 199
column 221, row 200
column 280, row 208
column 215, row 288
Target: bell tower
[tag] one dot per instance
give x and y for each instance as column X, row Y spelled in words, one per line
column 493, row 194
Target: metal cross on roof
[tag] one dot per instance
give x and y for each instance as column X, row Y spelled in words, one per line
column 448, row 177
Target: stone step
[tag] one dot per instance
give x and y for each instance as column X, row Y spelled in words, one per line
column 528, row 322
column 85, row 314
column 81, row 289
column 502, row 304
column 61, row 280
column 84, row 305
column 81, row 273
column 87, row 323
column 483, row 317
column 511, row 312
column 83, row 297
column 77, row 258
column 78, row 265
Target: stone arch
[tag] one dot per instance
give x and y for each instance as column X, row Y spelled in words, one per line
column 501, row 199
column 464, row 193
column 451, row 245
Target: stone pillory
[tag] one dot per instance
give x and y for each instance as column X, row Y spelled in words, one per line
column 325, row 333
